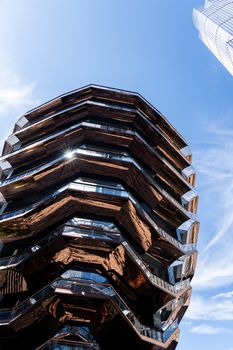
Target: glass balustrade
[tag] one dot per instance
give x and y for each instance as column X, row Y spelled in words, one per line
column 86, row 284
column 27, row 253
column 101, row 126
column 73, row 232
column 56, row 344
column 185, row 199
column 108, row 290
column 68, row 330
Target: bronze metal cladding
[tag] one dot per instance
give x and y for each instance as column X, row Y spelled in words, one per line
column 98, row 225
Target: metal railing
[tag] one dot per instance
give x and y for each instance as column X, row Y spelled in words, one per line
column 81, row 185
column 59, row 344
column 85, row 289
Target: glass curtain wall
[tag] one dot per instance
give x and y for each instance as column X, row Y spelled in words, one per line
column 214, row 22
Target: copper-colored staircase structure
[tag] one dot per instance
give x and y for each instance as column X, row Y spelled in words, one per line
column 98, row 225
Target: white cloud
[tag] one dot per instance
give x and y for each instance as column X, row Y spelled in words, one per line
column 211, row 309
column 16, row 97
column 226, row 295
column 13, row 91
column 214, row 165
column 207, row 329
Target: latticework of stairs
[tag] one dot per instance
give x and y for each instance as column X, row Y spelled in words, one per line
column 98, row 225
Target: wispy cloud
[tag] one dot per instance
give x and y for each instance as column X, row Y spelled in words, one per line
column 207, row 329
column 227, row 295
column 16, row 97
column 210, row 309
column 214, row 164
column 14, row 92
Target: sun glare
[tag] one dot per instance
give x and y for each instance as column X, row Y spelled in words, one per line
column 69, row 154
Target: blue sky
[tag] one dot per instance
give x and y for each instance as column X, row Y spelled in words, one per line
column 149, row 46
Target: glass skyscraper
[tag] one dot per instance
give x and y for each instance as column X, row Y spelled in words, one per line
column 214, row 22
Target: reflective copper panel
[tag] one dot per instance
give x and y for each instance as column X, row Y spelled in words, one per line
column 98, row 225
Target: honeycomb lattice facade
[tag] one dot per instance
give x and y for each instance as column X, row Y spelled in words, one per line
column 98, row 226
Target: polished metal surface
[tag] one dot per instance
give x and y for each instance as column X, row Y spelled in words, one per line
column 98, row 225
